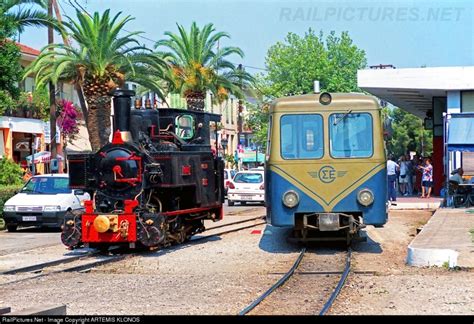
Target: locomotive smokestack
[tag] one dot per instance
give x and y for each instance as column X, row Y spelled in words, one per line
column 122, row 105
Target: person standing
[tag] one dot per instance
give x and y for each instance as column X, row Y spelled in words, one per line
column 403, row 179
column 392, row 169
column 427, row 179
column 409, row 175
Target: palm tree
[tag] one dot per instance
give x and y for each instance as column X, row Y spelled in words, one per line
column 15, row 16
column 197, row 66
column 102, row 60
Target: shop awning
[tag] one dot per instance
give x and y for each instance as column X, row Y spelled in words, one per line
column 43, row 157
column 461, row 132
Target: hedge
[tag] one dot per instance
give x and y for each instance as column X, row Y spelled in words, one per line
column 6, row 192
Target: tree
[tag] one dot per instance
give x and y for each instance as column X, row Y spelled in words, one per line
column 103, row 59
column 196, row 65
column 11, row 71
column 408, row 134
column 294, row 65
column 257, row 121
column 15, row 16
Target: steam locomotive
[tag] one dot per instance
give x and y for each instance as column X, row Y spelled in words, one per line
column 153, row 185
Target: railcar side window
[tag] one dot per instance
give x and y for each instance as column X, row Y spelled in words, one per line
column 351, row 135
column 301, row 136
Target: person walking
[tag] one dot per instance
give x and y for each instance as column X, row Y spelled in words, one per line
column 427, row 179
column 392, row 169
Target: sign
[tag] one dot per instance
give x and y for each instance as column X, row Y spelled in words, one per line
column 249, row 156
column 47, row 132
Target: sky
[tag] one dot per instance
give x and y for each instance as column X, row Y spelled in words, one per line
column 405, row 33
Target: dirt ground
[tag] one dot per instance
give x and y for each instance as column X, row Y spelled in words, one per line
column 224, row 274
column 392, row 287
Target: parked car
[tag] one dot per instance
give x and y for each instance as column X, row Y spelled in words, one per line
column 247, row 186
column 228, row 176
column 43, row 201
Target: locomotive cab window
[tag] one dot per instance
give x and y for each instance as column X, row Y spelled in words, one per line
column 351, row 135
column 301, row 136
column 185, row 126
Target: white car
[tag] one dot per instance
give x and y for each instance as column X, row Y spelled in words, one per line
column 228, row 176
column 247, row 186
column 43, row 201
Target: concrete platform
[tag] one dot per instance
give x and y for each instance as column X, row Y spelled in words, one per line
column 447, row 239
column 417, row 203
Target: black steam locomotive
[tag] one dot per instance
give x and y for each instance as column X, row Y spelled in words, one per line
column 154, row 185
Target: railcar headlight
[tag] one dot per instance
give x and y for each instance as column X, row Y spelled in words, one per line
column 9, row 208
column 290, row 199
column 365, row 197
column 325, row 98
column 52, row 208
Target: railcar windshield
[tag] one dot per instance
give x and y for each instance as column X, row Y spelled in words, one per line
column 351, row 135
column 301, row 136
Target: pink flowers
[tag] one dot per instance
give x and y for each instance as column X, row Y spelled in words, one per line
column 67, row 119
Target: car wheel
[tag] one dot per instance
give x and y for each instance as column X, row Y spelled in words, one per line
column 12, row 228
column 243, row 203
column 230, row 203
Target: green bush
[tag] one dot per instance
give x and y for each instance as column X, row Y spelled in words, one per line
column 10, row 173
column 6, row 192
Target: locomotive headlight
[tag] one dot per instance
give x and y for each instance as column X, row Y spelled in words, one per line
column 290, row 199
column 365, row 197
column 101, row 224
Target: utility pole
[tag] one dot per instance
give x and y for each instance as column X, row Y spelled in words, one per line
column 52, row 94
column 239, row 116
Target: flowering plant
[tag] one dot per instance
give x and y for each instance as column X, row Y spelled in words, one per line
column 67, row 120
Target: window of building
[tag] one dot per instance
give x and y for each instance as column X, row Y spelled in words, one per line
column 467, row 101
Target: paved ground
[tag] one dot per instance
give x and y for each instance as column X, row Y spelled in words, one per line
column 447, row 237
column 27, row 239
column 241, row 209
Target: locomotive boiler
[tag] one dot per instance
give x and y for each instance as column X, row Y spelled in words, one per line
column 153, row 185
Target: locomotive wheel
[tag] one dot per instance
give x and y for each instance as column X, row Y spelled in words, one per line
column 150, row 236
column 71, row 235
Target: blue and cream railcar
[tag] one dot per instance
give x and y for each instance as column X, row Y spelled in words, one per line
column 326, row 165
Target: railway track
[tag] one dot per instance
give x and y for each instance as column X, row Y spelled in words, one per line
column 329, row 302
column 86, row 263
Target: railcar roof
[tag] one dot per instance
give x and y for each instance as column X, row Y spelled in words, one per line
column 308, row 102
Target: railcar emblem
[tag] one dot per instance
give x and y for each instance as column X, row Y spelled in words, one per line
column 327, row 174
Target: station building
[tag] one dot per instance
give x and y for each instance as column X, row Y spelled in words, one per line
column 428, row 93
